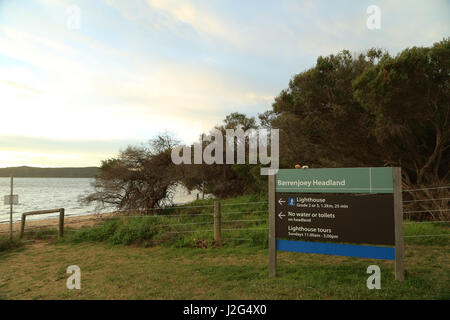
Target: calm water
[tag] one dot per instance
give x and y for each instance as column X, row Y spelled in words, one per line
column 51, row 193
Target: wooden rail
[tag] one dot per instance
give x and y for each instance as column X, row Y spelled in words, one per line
column 61, row 219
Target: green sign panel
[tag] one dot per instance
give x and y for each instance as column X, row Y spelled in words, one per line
column 339, row 180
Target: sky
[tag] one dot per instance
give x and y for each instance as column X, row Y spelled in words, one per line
column 82, row 79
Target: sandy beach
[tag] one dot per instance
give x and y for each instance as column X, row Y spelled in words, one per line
column 69, row 222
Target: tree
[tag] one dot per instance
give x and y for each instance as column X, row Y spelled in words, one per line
column 140, row 178
column 224, row 180
column 373, row 110
column 321, row 123
column 409, row 96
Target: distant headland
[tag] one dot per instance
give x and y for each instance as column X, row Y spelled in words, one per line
column 35, row 172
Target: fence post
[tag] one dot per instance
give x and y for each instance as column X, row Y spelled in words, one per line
column 217, row 222
column 61, row 222
column 22, row 225
column 11, row 211
column 272, row 236
column 398, row 221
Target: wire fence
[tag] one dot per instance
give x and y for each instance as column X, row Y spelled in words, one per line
column 422, row 200
column 250, row 220
column 427, row 188
column 240, row 226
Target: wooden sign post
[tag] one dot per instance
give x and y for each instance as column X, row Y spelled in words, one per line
column 11, row 199
column 324, row 211
column 272, row 236
column 398, row 214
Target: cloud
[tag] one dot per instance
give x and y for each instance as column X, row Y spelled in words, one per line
column 71, row 88
column 22, row 150
column 41, row 159
column 200, row 19
column 137, row 68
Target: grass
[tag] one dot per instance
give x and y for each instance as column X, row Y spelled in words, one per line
column 228, row 272
column 139, row 258
column 413, row 232
column 6, row 244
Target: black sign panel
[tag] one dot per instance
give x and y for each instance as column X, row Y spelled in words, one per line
column 351, row 218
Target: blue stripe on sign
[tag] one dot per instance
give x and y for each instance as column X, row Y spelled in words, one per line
column 337, row 249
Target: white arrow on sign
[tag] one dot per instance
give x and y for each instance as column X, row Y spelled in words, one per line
column 281, row 215
column 280, row 201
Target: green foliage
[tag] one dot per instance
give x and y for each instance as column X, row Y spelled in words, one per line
column 370, row 109
column 134, row 230
column 116, row 231
column 41, row 234
column 422, row 233
column 96, row 233
column 187, row 227
column 321, row 124
column 373, row 110
column 225, row 180
column 409, row 97
column 6, row 244
column 192, row 227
